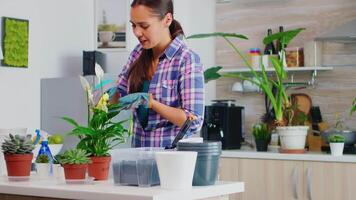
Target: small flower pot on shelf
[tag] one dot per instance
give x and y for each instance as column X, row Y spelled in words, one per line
column 261, row 145
column 336, row 142
column 262, row 136
column 75, row 171
column 99, row 167
column 75, row 163
column 18, row 155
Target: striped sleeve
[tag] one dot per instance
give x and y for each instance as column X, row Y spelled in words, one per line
column 191, row 89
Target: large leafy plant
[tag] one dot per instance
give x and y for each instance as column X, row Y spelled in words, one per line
column 280, row 101
column 102, row 133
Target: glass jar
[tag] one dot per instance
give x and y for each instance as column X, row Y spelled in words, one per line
column 294, row 57
column 254, row 54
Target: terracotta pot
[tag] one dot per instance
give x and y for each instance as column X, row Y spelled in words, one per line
column 75, row 171
column 18, row 164
column 99, row 168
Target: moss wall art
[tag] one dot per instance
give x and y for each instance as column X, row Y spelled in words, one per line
column 15, row 42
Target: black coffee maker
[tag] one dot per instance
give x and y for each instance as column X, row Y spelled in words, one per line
column 223, row 121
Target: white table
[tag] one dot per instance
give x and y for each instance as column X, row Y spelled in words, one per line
column 106, row 190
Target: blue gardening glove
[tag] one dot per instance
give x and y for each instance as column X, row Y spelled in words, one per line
column 134, row 100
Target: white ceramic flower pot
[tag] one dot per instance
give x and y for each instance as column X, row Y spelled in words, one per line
column 42, row 170
column 293, row 137
column 176, row 169
column 58, row 171
column 337, row 149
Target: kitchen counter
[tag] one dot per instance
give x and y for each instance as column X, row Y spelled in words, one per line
column 106, row 190
column 247, row 152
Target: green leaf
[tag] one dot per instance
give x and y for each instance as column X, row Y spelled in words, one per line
column 217, row 34
column 212, row 74
column 70, row 120
column 284, row 37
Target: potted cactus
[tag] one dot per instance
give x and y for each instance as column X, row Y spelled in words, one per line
column 262, row 136
column 42, row 165
column 18, row 155
column 336, row 142
column 75, row 163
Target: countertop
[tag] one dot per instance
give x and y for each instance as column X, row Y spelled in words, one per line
column 107, row 190
column 247, row 152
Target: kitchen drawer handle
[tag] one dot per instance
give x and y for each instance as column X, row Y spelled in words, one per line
column 309, row 189
column 295, row 182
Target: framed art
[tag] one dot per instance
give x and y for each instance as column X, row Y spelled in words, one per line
column 15, row 38
column 111, row 17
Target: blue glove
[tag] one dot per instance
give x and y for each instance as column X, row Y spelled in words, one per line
column 134, row 100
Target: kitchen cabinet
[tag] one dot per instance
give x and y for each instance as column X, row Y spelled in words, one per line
column 287, row 179
column 329, row 181
column 264, row 179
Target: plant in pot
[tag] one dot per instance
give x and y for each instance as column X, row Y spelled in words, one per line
column 42, row 165
column 102, row 133
column 18, row 155
column 75, row 163
column 292, row 137
column 262, row 136
column 336, row 142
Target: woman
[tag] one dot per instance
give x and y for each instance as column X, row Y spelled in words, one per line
column 162, row 70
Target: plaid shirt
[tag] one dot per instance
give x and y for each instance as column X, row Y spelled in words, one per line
column 178, row 82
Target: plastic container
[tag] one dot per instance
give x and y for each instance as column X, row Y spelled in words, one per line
column 135, row 167
column 294, row 57
column 207, row 164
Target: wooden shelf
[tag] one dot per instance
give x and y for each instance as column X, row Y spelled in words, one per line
column 288, row 69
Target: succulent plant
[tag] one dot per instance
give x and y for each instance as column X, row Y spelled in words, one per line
column 17, row 144
column 57, row 159
column 336, row 138
column 42, row 159
column 75, row 156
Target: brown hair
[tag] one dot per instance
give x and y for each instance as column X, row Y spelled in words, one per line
column 140, row 69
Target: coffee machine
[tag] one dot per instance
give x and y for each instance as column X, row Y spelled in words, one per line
column 223, row 121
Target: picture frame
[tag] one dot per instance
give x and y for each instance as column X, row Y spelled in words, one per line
column 111, row 20
column 15, row 42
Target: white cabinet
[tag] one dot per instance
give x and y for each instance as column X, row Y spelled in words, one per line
column 287, row 180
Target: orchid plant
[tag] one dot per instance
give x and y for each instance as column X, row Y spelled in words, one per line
column 101, row 133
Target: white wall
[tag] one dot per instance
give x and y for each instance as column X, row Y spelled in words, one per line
column 59, row 31
column 198, row 16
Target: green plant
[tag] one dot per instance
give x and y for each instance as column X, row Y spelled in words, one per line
column 17, row 144
column 336, row 138
column 15, row 42
column 75, row 156
column 353, row 107
column 102, row 133
column 109, row 27
column 42, row 159
column 280, row 102
column 260, row 132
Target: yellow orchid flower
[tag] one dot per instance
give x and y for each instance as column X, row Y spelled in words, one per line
column 102, row 104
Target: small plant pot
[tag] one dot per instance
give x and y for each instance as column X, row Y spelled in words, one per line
column 261, row 145
column 75, row 171
column 99, row 168
column 18, row 164
column 58, row 171
column 337, row 149
column 42, row 170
